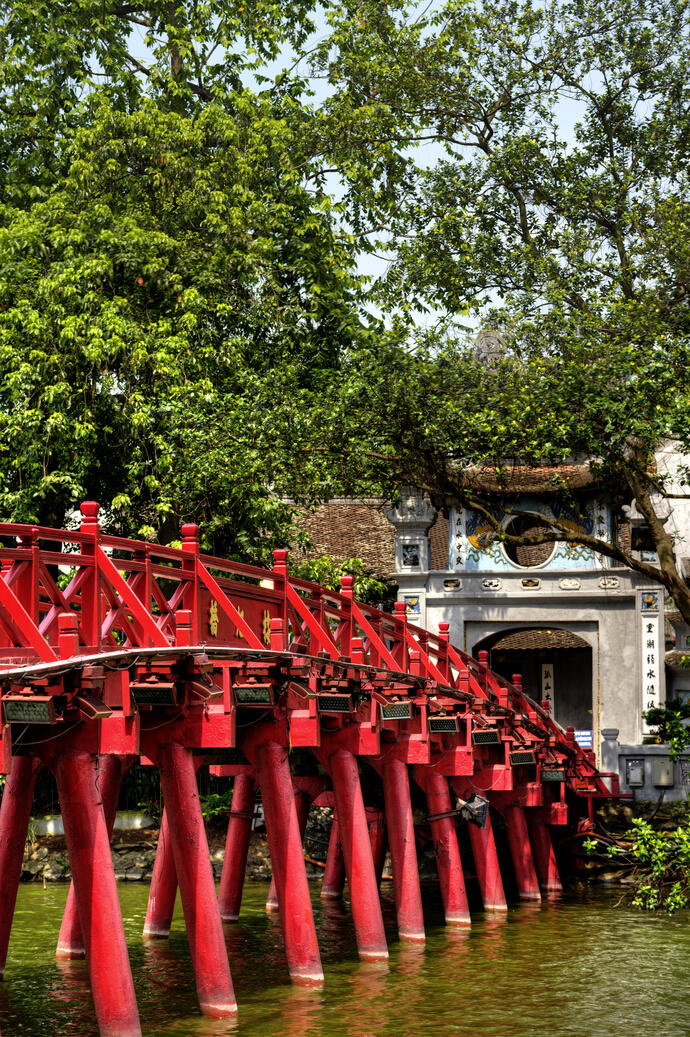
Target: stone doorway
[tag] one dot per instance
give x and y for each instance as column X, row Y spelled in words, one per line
column 555, row 664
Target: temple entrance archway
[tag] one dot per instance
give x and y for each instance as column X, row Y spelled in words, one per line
column 555, row 664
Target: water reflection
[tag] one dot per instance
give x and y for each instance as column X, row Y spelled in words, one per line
column 549, row 970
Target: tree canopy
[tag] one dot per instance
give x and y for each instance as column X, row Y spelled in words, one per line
column 187, row 189
column 545, row 150
column 170, row 268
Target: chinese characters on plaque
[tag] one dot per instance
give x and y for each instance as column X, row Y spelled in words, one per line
column 547, row 687
column 650, row 652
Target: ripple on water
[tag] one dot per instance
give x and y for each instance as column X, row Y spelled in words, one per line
column 571, row 968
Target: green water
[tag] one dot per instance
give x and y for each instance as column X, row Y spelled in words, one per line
column 566, row 969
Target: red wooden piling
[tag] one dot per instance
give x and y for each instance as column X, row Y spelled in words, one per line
column 95, row 891
column 377, row 838
column 15, row 812
column 544, row 856
column 334, row 873
column 110, row 770
column 401, row 843
column 195, row 877
column 488, row 869
column 521, row 853
column 163, row 889
column 302, row 805
column 359, row 862
column 446, row 849
column 236, row 847
column 287, row 861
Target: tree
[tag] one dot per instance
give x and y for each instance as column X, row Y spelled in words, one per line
column 554, row 210
column 172, row 282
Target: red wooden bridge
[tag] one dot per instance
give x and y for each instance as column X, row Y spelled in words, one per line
column 181, row 660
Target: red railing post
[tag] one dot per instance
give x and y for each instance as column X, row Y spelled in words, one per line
column 280, row 577
column 346, row 594
column 191, row 597
column 400, row 647
column 91, row 587
column 26, row 584
column 443, row 638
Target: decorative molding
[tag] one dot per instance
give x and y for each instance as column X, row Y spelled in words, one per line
column 491, row 584
column 608, row 583
column 570, row 583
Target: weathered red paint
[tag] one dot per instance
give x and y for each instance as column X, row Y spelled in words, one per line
column 359, row 862
column 236, row 847
column 377, row 838
column 488, row 869
column 287, row 861
column 521, row 853
column 15, row 813
column 446, row 849
column 401, row 843
column 163, row 889
column 334, row 873
column 195, row 878
column 95, row 891
column 110, row 771
column 544, row 856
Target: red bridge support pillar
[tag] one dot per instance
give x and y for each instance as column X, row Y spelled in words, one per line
column 195, row 877
column 486, row 861
column 359, row 862
column 403, row 851
column 110, row 772
column 377, row 838
column 15, row 813
column 95, row 891
column 163, row 891
column 287, row 861
column 302, row 805
column 237, row 847
column 334, row 873
column 521, row 853
column 446, row 849
column 544, row 857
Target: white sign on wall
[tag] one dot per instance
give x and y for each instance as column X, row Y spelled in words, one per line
column 650, row 644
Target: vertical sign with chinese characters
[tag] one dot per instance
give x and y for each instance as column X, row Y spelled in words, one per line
column 458, row 538
column 547, row 686
column 650, row 652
